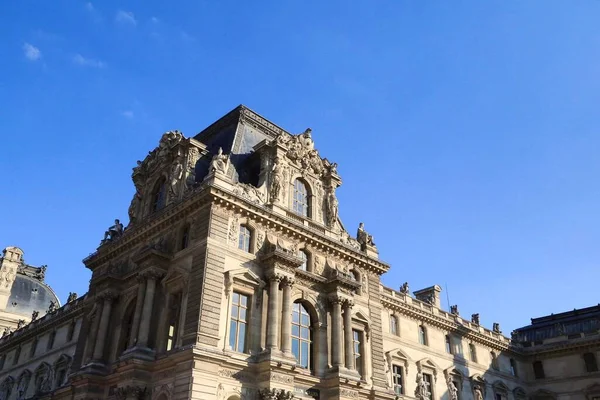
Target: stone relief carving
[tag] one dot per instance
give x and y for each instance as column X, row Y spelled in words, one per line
column 249, row 192
column 234, row 226
column 352, row 394
column 477, row 393
column 346, row 239
column 131, row 392
column 275, row 394
column 260, row 240
column 192, row 159
column 319, row 266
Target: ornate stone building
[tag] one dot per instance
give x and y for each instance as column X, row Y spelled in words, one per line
column 236, row 279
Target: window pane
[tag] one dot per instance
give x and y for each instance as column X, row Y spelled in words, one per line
column 242, row 314
column 232, row 334
column 304, row 333
column 305, row 320
column 304, row 355
column 236, row 298
column 295, row 330
column 296, row 348
column 300, row 198
column 295, row 317
column 244, row 300
column 241, row 337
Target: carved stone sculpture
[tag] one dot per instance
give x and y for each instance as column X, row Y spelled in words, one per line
column 34, row 315
column 454, row 310
column 363, row 237
column 496, row 327
column 452, row 389
column 219, row 162
column 422, row 389
column 41, row 275
column 52, row 307
column 7, row 331
column 20, row 323
column 113, row 232
column 477, row 394
column 475, row 319
column 276, row 180
column 404, row 288
column 72, row 297
column 174, row 177
column 332, row 207
column 134, row 207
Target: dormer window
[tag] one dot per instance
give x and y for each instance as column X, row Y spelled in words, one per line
column 159, row 195
column 300, row 199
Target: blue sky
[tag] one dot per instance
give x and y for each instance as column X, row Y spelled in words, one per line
column 466, row 132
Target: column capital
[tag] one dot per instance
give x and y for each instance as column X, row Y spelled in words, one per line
column 348, row 304
column 275, row 277
column 107, row 295
column 288, row 281
column 152, row 273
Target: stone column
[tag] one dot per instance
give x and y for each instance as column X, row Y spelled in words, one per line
column 336, row 332
column 144, row 331
column 348, row 339
column 89, row 351
column 273, row 321
column 139, row 302
column 286, row 316
column 108, row 298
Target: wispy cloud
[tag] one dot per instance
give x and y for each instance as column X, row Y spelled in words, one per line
column 89, row 6
column 125, row 17
column 127, row 114
column 31, row 52
column 154, row 20
column 88, row 62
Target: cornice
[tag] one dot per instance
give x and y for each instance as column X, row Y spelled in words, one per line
column 292, row 227
column 35, row 328
column 445, row 324
column 556, row 349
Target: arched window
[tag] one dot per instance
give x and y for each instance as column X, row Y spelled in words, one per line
column 590, row 362
column 304, row 256
column 448, row 345
column 42, row 382
column 393, row 325
column 7, row 387
column 17, row 355
column 300, row 200
column 494, row 360
column 60, row 371
column 127, row 326
column 185, row 237
column 159, row 195
column 301, row 336
column 244, row 238
column 422, row 335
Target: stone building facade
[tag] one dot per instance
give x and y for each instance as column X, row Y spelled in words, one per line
column 236, row 279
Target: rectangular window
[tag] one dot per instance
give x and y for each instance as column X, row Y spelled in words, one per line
column 459, row 348
column 244, row 238
column 448, row 345
column 238, row 322
column 429, row 381
column 422, row 335
column 513, row 367
column 51, row 338
column 393, row 325
column 173, row 319
column 472, row 352
column 356, row 336
column 397, row 376
column 538, row 370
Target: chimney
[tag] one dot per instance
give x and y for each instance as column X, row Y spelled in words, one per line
column 430, row 295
